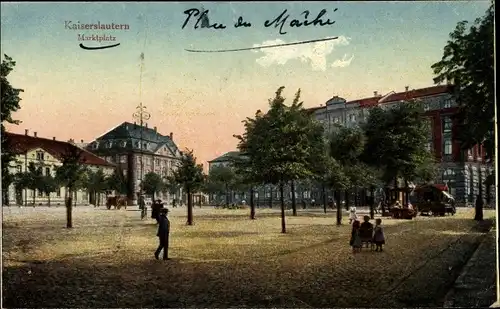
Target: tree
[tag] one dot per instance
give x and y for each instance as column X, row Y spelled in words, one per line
column 189, row 174
column 247, row 176
column 152, row 183
column 280, row 144
column 222, row 178
column 117, row 182
column 396, row 140
column 9, row 104
column 33, row 178
column 468, row 63
column 95, row 182
column 69, row 174
column 48, row 185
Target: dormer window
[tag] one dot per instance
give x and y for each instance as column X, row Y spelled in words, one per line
column 40, row 155
column 110, row 144
column 124, row 143
column 96, row 145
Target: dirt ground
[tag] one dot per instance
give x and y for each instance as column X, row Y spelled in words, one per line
column 226, row 259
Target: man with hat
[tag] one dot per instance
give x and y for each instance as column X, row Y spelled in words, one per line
column 163, row 234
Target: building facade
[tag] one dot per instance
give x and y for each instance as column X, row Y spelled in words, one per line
column 47, row 154
column 138, row 150
column 462, row 171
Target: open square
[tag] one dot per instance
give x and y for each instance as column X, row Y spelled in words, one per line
column 226, row 259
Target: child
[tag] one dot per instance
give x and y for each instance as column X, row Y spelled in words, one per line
column 352, row 215
column 378, row 235
column 355, row 238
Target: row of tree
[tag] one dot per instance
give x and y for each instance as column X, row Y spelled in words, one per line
column 95, row 182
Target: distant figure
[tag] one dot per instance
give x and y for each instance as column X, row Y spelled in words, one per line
column 378, row 235
column 303, row 204
column 352, row 215
column 355, row 241
column 163, row 234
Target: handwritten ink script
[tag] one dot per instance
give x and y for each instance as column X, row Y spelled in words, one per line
column 201, row 19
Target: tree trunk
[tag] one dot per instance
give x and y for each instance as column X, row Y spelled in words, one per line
column 252, row 204
column 48, row 198
column 227, row 195
column 323, row 193
column 271, row 197
column 339, row 207
column 189, row 207
column 75, row 197
column 34, row 195
column 372, row 202
column 346, row 197
column 294, row 205
column 282, row 199
column 69, row 211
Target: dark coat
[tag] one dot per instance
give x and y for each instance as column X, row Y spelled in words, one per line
column 163, row 227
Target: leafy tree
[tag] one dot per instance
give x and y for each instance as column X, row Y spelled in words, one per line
column 69, row 174
column 280, row 144
column 222, row 178
column 152, row 183
column 95, row 182
column 117, row 182
column 247, row 176
column 33, row 178
column 9, row 104
column 48, row 185
column 189, row 174
column 468, row 63
column 396, row 141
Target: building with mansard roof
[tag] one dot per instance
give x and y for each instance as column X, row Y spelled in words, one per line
column 138, row 150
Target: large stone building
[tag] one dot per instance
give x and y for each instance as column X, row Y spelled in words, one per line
column 138, row 150
column 462, row 171
column 47, row 154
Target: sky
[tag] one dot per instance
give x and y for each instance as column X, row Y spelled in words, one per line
column 202, row 98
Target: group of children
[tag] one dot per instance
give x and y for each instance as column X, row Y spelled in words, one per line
column 378, row 237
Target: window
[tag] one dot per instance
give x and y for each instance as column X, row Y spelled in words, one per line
column 40, row 155
column 447, row 125
column 429, row 146
column 19, row 169
column 447, row 103
column 47, row 171
column 427, row 106
column 448, row 148
column 124, row 143
column 96, row 144
column 40, row 193
column 123, row 159
column 110, row 144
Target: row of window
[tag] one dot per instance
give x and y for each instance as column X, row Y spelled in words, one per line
column 48, row 170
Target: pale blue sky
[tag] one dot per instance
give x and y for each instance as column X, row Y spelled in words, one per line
column 202, row 98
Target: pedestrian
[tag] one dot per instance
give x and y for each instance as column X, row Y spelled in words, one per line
column 378, row 235
column 163, row 234
column 352, row 214
column 355, row 241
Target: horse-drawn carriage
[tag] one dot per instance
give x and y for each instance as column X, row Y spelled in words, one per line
column 117, row 201
column 433, row 200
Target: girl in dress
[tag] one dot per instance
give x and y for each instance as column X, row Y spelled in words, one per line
column 378, row 235
column 355, row 238
column 352, row 215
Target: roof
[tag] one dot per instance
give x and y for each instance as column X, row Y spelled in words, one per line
column 20, row 144
column 131, row 131
column 366, row 102
column 418, row 93
column 226, row 157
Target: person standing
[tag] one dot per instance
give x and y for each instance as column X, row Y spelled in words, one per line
column 163, row 234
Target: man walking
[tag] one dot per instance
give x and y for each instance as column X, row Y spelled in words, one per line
column 163, row 233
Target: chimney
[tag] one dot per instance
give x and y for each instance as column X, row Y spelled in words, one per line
column 155, row 129
column 375, row 93
column 34, row 134
column 171, row 136
column 406, row 88
column 81, row 141
column 26, row 131
column 53, row 138
column 146, row 124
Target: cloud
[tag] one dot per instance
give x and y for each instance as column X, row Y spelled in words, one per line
column 342, row 63
column 315, row 53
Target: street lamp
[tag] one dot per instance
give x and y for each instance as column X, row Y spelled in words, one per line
column 141, row 115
